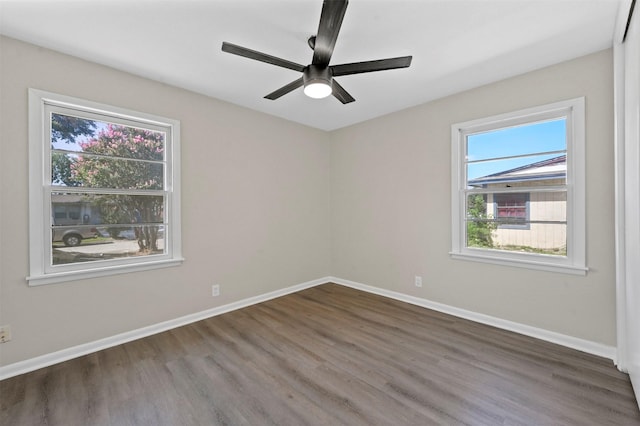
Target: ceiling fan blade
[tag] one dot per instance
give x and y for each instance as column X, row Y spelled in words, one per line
column 285, row 89
column 341, row 94
column 370, row 66
column 259, row 56
column 330, row 23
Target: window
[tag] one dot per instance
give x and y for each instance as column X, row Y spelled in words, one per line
column 104, row 189
column 512, row 210
column 518, row 193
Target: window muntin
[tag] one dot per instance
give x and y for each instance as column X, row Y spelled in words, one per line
column 518, row 182
column 106, row 199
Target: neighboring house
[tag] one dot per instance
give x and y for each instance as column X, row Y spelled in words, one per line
column 535, row 219
column 73, row 209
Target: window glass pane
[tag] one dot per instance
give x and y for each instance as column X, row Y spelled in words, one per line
column 103, row 172
column 525, row 222
column 107, row 209
column 541, row 237
column 107, row 227
column 539, row 170
column 99, row 137
column 93, row 244
column 520, row 140
column 68, row 131
column 480, row 223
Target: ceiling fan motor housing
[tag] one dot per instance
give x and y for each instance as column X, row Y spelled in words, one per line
column 313, row 74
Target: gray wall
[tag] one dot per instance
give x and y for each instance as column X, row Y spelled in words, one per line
column 391, row 206
column 254, row 205
column 268, row 204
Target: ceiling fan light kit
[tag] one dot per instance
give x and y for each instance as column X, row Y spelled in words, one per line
column 317, row 77
column 318, row 90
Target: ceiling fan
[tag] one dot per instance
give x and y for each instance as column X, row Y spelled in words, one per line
column 318, row 77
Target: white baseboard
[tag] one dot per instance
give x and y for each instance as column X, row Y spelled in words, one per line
column 46, row 360
column 634, row 375
column 583, row 345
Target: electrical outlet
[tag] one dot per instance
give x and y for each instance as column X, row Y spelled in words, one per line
column 418, row 281
column 5, row 333
column 215, row 290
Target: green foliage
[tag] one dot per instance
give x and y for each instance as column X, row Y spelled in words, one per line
column 61, row 170
column 67, row 128
column 479, row 225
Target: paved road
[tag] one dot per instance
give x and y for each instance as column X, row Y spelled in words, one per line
column 109, row 247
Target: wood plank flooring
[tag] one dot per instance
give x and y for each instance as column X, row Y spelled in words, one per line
column 329, row 355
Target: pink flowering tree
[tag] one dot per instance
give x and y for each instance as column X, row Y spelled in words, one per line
column 125, row 158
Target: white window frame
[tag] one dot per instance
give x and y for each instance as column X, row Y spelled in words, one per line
column 575, row 261
column 41, row 270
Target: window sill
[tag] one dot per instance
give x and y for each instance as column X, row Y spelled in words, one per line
column 540, row 265
column 58, row 277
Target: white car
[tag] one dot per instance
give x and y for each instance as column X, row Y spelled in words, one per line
column 73, row 236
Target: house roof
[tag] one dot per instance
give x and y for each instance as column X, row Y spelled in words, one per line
column 68, row 198
column 553, row 168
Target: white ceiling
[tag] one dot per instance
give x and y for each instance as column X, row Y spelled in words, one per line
column 456, row 45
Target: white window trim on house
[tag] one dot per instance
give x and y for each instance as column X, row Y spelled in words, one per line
column 40, row 269
column 575, row 260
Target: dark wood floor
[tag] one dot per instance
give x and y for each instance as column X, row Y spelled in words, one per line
column 329, row 355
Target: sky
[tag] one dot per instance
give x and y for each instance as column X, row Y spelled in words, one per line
column 529, row 139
